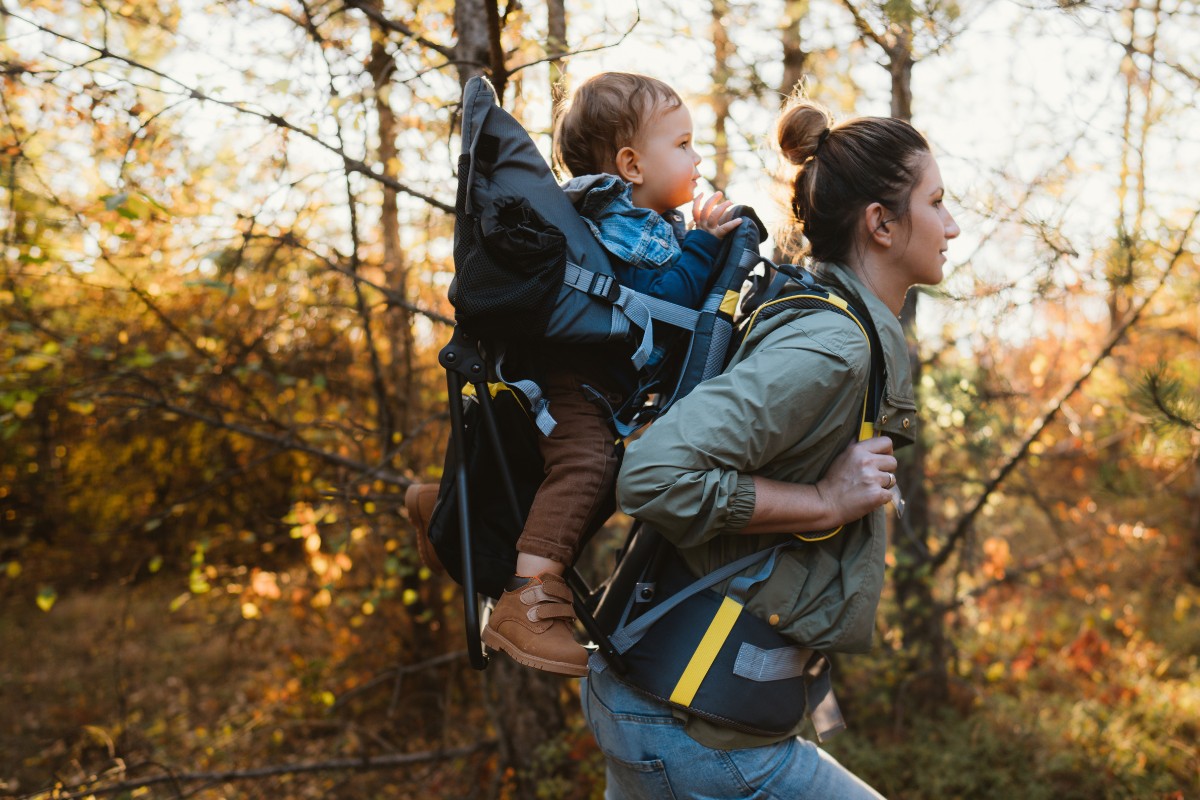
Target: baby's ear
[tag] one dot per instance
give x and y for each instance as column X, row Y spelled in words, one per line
column 629, row 165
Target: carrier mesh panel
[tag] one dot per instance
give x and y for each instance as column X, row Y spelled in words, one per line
column 505, row 290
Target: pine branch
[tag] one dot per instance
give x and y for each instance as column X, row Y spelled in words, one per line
column 1164, row 395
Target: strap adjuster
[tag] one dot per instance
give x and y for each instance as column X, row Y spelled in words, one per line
column 603, row 286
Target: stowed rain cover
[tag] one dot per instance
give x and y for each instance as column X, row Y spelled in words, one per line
column 515, row 231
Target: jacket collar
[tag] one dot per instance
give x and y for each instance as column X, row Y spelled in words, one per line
column 898, row 415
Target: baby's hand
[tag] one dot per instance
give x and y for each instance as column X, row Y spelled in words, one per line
column 714, row 217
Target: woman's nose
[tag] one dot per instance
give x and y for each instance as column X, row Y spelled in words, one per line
column 952, row 229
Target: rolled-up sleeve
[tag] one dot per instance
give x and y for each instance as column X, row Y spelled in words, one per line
column 691, row 473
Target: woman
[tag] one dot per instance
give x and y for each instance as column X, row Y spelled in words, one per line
column 759, row 453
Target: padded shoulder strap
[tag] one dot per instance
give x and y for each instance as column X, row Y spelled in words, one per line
column 802, row 291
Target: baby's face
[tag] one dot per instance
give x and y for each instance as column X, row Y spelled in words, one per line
column 664, row 146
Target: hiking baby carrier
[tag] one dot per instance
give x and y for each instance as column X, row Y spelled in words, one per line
column 528, row 269
column 697, row 649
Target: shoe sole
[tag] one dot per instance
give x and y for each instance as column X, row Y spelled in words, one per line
column 498, row 642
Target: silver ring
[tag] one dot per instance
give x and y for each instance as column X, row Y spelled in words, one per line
column 891, row 480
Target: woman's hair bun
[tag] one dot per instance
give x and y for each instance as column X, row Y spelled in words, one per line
column 799, row 129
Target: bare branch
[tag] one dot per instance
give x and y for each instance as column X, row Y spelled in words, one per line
column 375, row 15
column 285, row 442
column 637, row 19
column 358, row 764
column 864, row 26
column 1055, row 405
column 351, row 163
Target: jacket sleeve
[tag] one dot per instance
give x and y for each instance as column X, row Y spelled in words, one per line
column 685, row 280
column 691, row 472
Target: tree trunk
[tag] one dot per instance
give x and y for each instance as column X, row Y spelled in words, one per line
column 795, row 60
column 719, row 96
column 921, row 615
column 795, row 57
column 472, row 52
column 900, row 66
column 556, row 45
column 399, row 320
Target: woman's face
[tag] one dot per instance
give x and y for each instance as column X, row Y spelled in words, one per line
column 930, row 228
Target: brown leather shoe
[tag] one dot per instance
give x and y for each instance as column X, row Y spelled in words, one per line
column 419, row 499
column 533, row 625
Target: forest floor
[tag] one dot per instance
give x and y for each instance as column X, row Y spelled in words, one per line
column 129, row 684
column 122, row 685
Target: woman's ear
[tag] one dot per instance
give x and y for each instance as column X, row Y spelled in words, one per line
column 629, row 165
column 879, row 224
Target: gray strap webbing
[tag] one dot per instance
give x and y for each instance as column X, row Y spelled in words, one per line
column 593, row 283
column 641, row 309
column 779, row 663
column 819, row 701
column 757, row 664
column 538, row 404
column 630, row 304
column 670, row 313
column 750, row 258
column 638, row 308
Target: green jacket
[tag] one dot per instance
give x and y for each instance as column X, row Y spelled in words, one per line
column 789, row 403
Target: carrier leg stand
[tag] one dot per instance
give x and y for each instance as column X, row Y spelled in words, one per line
column 463, row 364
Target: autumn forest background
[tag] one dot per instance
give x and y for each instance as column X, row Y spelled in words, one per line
column 226, row 243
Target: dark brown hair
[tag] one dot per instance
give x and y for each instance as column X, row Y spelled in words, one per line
column 843, row 168
column 604, row 115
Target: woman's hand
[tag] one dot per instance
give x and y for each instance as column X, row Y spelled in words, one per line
column 713, row 216
column 858, row 481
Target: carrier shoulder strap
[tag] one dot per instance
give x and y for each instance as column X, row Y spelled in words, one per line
column 801, row 290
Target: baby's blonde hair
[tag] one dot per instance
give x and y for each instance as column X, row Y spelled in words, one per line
column 605, row 114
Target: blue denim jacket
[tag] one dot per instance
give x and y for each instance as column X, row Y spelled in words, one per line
column 638, row 236
column 652, row 252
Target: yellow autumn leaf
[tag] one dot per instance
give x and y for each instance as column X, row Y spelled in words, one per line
column 46, row 598
column 35, row 362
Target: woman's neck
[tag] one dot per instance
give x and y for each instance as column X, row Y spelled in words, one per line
column 886, row 284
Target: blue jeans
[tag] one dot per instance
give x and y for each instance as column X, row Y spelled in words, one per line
column 650, row 757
